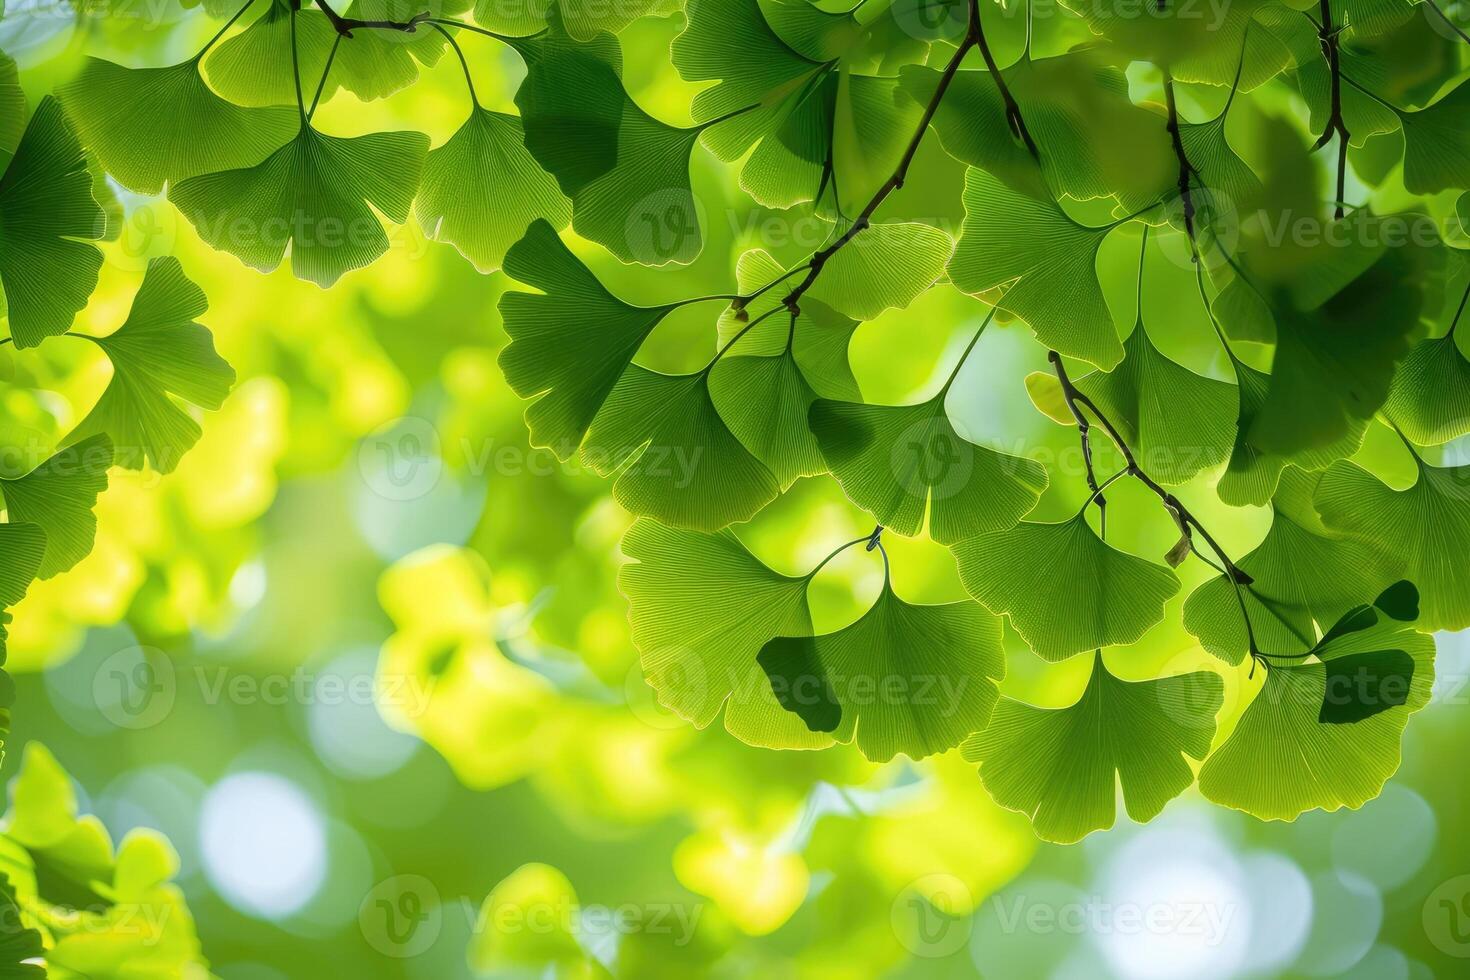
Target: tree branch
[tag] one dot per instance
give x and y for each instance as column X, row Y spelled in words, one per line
column 344, row 26
column 1336, row 125
column 1186, row 170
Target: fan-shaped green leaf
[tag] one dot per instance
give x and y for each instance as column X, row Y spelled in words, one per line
column 1437, row 144
column 1093, row 141
column 1430, row 399
column 481, row 190
column 255, row 67
column 18, row 941
column 1048, row 259
column 626, row 172
column 155, row 126
column 158, row 352
column 22, row 549
column 903, row 678
column 886, row 266
column 1427, row 526
column 1305, row 576
column 820, row 344
column 1295, row 750
column 47, row 214
column 12, row 110
column 58, row 497
column 765, row 400
column 899, row 462
column 1177, row 423
column 570, row 343
column 678, row 460
column 1334, row 362
column 1062, row 767
column 1065, row 590
column 702, row 606
column 317, row 194
column 787, row 97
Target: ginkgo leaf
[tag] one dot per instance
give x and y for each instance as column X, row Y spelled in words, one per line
column 1065, row 590
column 12, row 110
column 765, row 401
column 155, row 126
column 626, row 172
column 1177, row 423
column 255, row 66
column 157, row 354
column 1437, row 144
column 822, row 335
column 58, row 497
column 316, row 193
column 902, row 678
column 903, row 462
column 676, row 457
column 701, row 607
column 481, row 189
column 1304, row 576
column 1048, row 259
column 788, row 104
column 1293, row 749
column 583, row 19
column 1334, row 362
column 21, row 946
column 1426, row 525
column 570, row 343
column 47, row 214
column 1092, row 139
column 886, row 266
column 1430, row 397
column 1062, row 767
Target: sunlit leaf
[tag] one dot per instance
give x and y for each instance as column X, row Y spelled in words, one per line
column 156, row 126
column 1064, row 590
column 58, row 496
column 1049, row 262
column 319, row 194
column 47, row 214
column 702, row 606
column 1426, row 525
column 1062, row 766
column 158, row 354
column 903, row 678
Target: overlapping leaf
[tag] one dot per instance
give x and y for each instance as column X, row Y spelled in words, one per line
column 155, row 126
column 1062, row 766
column 47, row 216
column 902, row 678
column 902, row 463
column 702, row 606
column 1325, row 733
column 481, row 189
column 58, row 496
column 1426, row 525
column 1304, row 576
column 570, row 343
column 1046, row 260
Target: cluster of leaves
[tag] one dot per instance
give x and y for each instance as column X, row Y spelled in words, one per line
column 73, row 905
column 50, row 218
column 1083, row 135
